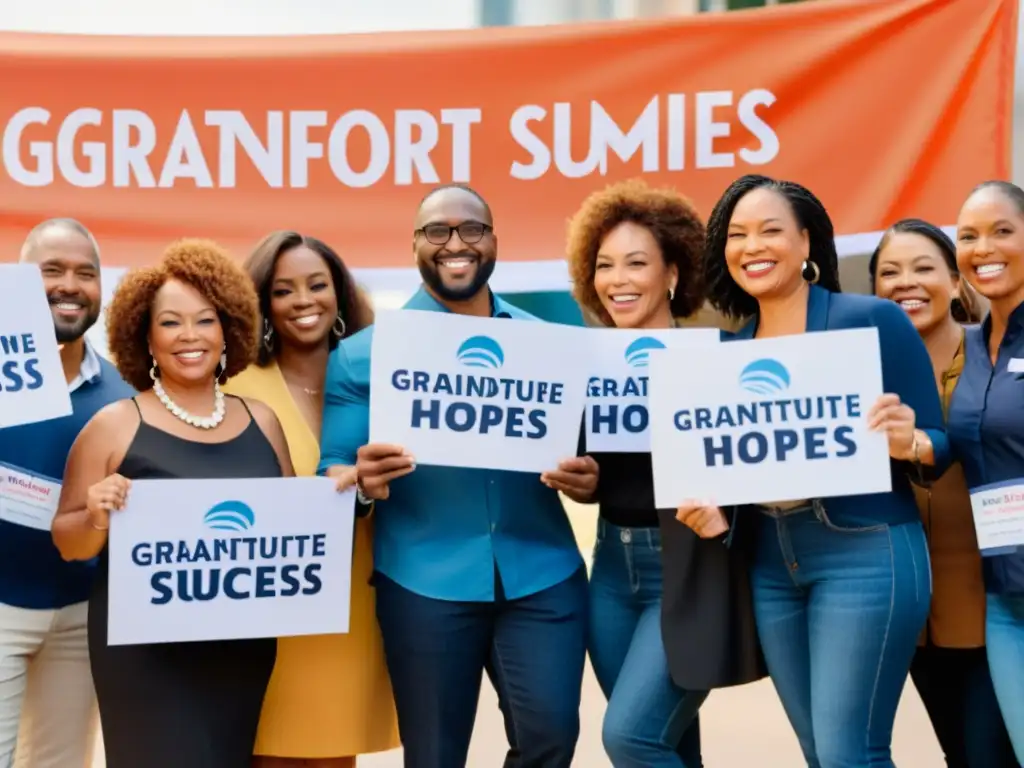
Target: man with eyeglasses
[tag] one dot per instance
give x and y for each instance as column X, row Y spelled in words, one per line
column 474, row 569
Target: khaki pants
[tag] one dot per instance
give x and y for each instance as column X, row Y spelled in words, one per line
column 47, row 702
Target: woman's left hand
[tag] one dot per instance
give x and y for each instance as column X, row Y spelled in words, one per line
column 897, row 420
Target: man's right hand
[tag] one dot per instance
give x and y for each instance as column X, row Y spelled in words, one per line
column 377, row 464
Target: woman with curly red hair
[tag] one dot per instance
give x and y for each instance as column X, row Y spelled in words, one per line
column 175, row 331
column 670, row 614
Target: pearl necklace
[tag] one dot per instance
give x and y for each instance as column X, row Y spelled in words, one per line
column 201, row 422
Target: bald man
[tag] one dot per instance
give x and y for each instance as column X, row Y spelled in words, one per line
column 47, row 709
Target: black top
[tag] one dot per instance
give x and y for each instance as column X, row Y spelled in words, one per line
column 195, row 704
column 625, row 489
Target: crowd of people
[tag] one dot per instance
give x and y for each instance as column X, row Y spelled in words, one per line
column 262, row 369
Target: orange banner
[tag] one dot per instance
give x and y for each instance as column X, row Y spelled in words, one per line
column 885, row 108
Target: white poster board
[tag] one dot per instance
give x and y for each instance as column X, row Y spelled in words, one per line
column 617, row 419
column 230, row 559
column 768, row 420
column 32, row 383
column 477, row 392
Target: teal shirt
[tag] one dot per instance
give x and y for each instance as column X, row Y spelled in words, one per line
column 444, row 531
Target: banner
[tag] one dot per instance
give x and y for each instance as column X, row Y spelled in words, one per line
column 32, row 383
column 230, row 559
column 148, row 139
column 617, row 419
column 478, row 392
column 768, row 420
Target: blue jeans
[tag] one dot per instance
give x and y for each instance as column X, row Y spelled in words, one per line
column 649, row 723
column 533, row 649
column 1004, row 635
column 839, row 612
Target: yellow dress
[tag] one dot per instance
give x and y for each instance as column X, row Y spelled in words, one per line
column 329, row 695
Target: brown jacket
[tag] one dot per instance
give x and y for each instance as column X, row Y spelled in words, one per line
column 957, row 618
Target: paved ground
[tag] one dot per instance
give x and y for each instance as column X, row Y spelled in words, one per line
column 741, row 728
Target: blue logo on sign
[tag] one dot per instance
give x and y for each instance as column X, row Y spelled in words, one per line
column 638, row 354
column 230, row 516
column 481, row 352
column 763, row 377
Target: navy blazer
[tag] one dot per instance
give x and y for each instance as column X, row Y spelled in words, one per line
column 907, row 372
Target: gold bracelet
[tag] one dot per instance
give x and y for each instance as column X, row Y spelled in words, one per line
column 96, row 527
column 916, row 447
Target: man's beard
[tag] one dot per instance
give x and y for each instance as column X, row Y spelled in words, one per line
column 432, row 277
column 68, row 332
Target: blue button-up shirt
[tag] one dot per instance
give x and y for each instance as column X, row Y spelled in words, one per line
column 986, row 428
column 444, row 530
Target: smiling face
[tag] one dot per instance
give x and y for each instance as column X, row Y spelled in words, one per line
column 632, row 279
column 990, row 246
column 71, row 276
column 453, row 269
column 303, row 302
column 912, row 272
column 186, row 338
column 766, row 247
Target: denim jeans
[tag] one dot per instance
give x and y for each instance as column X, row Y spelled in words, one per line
column 533, row 649
column 650, row 722
column 1004, row 633
column 839, row 612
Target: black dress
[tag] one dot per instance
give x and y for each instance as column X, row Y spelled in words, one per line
column 181, row 705
column 707, row 616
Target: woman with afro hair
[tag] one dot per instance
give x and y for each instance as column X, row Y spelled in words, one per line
column 670, row 615
column 176, row 331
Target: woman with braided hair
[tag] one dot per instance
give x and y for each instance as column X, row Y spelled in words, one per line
column 841, row 585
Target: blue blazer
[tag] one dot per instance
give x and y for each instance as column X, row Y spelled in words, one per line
column 907, row 372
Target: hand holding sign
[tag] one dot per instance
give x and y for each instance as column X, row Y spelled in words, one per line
column 108, row 495
column 377, row 464
column 897, row 421
column 343, row 477
column 575, row 477
column 706, row 520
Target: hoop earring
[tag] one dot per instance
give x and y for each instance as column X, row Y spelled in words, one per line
column 671, row 294
column 154, row 372
column 268, row 335
column 339, row 333
column 810, row 272
column 223, row 365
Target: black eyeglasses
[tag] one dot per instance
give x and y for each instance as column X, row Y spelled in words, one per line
column 469, row 232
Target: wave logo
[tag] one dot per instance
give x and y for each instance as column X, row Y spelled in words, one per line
column 638, row 353
column 480, row 352
column 230, row 516
column 763, row 377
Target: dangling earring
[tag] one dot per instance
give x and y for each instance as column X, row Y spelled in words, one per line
column 339, row 332
column 671, row 294
column 154, row 372
column 223, row 362
column 268, row 335
column 810, row 272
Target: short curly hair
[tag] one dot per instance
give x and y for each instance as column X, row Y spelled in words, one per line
column 666, row 214
column 209, row 269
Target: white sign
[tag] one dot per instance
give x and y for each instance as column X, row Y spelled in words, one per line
column 767, row 421
column 229, row 560
column 999, row 516
column 477, row 392
column 32, row 383
column 26, row 498
column 617, row 419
